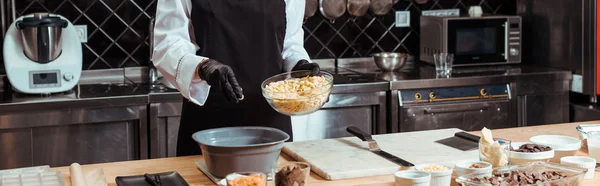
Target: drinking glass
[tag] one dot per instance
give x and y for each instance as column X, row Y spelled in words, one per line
column 593, row 143
column 443, row 63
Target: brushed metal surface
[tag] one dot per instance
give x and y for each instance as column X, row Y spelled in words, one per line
column 51, row 35
column 85, row 143
column 543, row 109
column 15, row 150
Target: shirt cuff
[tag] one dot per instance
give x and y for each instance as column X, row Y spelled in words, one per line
column 191, row 86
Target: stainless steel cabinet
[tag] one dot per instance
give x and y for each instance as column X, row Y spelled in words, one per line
column 61, row 137
column 467, row 116
column 543, row 109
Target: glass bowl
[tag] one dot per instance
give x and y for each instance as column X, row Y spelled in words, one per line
column 297, row 103
column 573, row 176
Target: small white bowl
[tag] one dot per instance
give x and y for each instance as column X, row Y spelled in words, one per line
column 441, row 178
column 462, row 168
column 581, row 162
column 520, row 158
column 412, row 178
column 562, row 145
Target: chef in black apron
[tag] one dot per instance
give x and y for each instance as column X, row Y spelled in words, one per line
column 218, row 52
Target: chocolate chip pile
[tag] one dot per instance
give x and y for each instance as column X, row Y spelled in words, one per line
column 532, row 148
column 515, row 178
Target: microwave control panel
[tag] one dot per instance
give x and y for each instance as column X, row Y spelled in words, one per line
column 513, row 39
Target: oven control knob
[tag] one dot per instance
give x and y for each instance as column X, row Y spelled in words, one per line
column 483, row 92
column 514, row 52
column 68, row 76
column 418, row 96
column 431, row 95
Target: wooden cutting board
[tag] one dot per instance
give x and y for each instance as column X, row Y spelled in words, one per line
column 343, row 158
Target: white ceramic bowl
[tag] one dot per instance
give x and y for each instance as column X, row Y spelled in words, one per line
column 412, row 178
column 462, row 168
column 441, row 178
column 520, row 158
column 581, row 162
column 562, row 145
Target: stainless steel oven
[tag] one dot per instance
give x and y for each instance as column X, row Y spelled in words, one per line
column 474, row 41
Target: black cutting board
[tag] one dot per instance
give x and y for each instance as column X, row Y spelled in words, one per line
column 166, row 178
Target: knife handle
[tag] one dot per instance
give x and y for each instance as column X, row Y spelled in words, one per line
column 467, row 136
column 359, row 133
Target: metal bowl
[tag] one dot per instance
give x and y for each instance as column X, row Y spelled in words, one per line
column 240, row 149
column 390, row 61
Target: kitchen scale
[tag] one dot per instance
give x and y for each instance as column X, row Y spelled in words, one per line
column 42, row 54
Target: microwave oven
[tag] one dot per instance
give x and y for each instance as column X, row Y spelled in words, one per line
column 489, row 40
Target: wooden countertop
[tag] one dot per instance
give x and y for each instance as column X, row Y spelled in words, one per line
column 186, row 167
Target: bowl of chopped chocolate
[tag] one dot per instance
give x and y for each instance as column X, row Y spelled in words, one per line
column 523, row 153
column 531, row 174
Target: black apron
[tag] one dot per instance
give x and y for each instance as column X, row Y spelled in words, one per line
column 248, row 36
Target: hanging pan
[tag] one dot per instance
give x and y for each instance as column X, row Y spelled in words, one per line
column 332, row 9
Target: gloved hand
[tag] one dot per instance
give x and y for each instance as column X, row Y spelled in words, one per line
column 221, row 76
column 305, row 65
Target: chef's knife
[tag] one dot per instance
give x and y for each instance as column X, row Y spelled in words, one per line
column 374, row 147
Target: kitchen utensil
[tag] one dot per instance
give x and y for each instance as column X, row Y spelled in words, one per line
column 562, row 145
column 41, row 36
column 310, row 8
column 42, row 54
column 358, row 7
column 351, row 160
column 464, row 168
column 332, row 9
column 297, row 103
column 574, row 176
column 581, row 162
column 462, row 140
column 412, row 178
column 520, row 158
column 30, row 179
column 390, row 61
column 165, row 178
column 152, row 180
column 240, row 149
column 438, row 178
column 381, row 7
column 374, row 147
column 443, row 63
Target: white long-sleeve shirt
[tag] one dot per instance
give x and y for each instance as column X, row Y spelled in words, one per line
column 175, row 49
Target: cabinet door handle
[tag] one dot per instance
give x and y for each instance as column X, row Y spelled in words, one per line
column 446, row 111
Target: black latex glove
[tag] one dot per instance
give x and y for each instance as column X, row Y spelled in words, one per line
column 221, row 76
column 313, row 67
column 305, row 65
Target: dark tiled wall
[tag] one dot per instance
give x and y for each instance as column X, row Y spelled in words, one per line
column 118, row 29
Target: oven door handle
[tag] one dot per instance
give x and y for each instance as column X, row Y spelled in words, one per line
column 447, row 111
column 506, row 41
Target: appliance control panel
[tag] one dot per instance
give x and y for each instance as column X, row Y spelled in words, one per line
column 45, row 79
column 500, row 91
column 513, row 39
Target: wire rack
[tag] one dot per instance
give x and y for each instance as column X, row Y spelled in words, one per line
column 118, row 29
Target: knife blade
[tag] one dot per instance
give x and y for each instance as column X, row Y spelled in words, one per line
column 374, row 147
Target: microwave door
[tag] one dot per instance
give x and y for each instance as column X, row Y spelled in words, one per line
column 476, row 41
